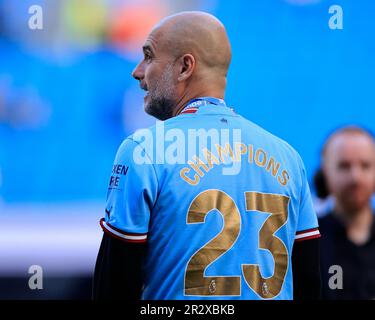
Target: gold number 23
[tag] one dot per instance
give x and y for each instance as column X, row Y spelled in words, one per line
column 197, row 284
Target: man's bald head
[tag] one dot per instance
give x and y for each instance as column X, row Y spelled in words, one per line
column 200, row 34
column 186, row 55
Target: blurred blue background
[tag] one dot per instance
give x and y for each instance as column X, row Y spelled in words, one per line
column 67, row 100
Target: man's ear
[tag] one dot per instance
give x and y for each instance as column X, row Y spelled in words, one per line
column 187, row 66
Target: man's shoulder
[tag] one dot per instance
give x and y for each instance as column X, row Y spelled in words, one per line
column 148, row 137
column 270, row 138
column 139, row 144
column 240, row 122
column 328, row 221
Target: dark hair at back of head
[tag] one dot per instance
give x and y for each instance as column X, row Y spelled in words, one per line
column 320, row 184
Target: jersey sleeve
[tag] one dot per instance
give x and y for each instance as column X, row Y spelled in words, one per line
column 307, row 227
column 131, row 195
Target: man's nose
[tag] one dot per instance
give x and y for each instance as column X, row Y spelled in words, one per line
column 356, row 173
column 138, row 72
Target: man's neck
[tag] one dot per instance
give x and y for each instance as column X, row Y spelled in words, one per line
column 355, row 217
column 358, row 224
column 184, row 100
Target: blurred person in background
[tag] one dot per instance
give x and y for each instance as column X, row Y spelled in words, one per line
column 348, row 230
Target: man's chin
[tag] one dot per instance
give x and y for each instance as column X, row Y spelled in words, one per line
column 356, row 205
column 156, row 111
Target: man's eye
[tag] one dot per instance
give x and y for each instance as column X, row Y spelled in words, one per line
column 147, row 57
column 366, row 165
column 344, row 166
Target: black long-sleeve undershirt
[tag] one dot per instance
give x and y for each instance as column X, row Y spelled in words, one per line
column 118, row 270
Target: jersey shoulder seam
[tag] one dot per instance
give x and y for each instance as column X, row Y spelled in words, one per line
column 153, row 167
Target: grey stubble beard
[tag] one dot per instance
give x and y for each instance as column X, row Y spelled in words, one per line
column 162, row 100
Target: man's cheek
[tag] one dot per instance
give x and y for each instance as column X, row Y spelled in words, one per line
column 336, row 182
column 371, row 182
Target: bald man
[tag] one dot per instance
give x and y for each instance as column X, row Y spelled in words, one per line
column 190, row 55
column 348, row 163
column 229, row 218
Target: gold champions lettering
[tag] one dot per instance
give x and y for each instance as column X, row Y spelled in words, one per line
column 198, row 167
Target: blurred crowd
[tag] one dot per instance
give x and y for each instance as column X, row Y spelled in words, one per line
column 66, row 95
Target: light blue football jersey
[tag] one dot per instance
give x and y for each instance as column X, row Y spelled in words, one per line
column 220, row 202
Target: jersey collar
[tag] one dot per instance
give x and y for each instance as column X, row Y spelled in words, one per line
column 194, row 104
